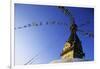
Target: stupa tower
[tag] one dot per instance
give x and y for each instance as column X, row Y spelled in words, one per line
column 73, row 47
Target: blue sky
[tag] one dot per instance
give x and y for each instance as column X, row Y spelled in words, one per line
column 47, row 41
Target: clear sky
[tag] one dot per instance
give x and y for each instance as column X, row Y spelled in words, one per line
column 46, row 42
